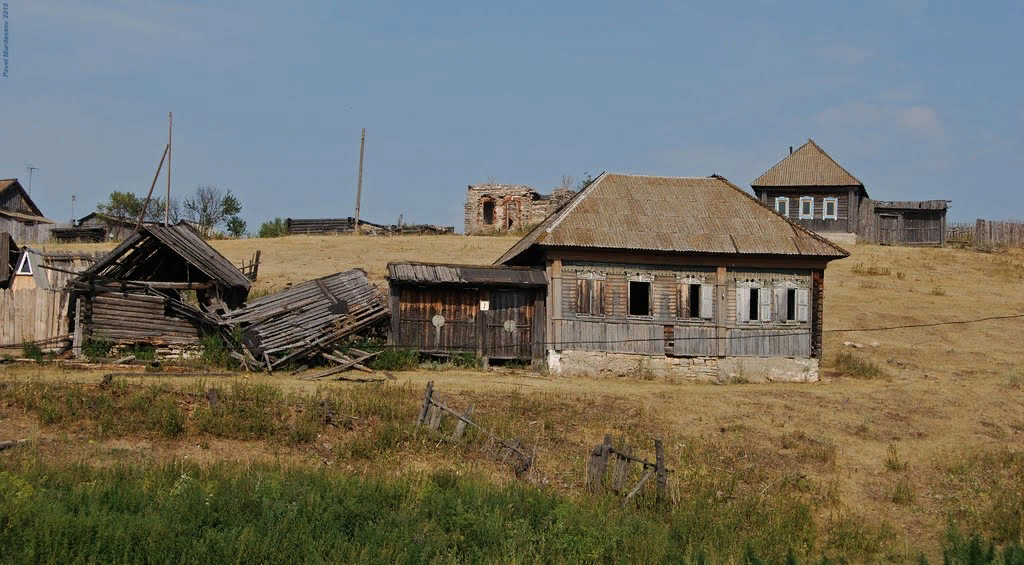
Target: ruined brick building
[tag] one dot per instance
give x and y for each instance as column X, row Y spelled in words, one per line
column 509, row 207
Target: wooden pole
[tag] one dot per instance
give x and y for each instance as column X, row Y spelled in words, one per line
column 149, row 196
column 359, row 185
column 167, row 203
column 659, row 461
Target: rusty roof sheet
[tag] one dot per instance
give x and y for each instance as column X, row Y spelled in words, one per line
column 807, row 166
column 672, row 214
column 440, row 273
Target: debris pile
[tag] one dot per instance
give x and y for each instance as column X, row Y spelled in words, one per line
column 308, row 320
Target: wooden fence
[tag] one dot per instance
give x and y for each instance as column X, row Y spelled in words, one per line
column 33, row 315
column 1006, row 233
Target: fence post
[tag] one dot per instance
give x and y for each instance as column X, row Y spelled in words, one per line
column 659, row 461
column 426, row 404
column 460, row 426
column 598, row 464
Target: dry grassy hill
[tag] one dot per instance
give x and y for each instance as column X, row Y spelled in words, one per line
column 884, row 460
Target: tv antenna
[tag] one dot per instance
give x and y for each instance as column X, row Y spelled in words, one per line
column 30, row 168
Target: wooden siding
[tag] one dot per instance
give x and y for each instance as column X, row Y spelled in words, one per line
column 26, row 234
column 911, row 227
column 466, row 328
column 31, row 315
column 13, row 201
column 846, row 212
column 664, row 332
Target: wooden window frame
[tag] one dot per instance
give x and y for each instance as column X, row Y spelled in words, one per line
column 782, row 200
column 706, row 298
column 801, row 215
column 765, row 306
column 649, row 281
column 780, row 305
column 24, row 263
column 835, row 210
column 591, row 286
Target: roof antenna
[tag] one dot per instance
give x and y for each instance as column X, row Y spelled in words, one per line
column 30, row 168
column 790, row 149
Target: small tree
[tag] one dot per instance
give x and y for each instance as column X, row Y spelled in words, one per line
column 125, row 207
column 585, row 181
column 274, row 228
column 210, row 206
column 236, row 226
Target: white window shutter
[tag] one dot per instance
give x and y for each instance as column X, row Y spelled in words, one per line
column 707, row 301
column 766, row 305
column 802, row 304
column 779, row 309
column 742, row 304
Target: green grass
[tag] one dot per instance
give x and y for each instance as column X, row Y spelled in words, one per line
column 850, row 365
column 31, row 350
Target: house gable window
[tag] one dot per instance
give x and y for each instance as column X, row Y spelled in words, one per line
column 806, row 208
column 830, row 209
column 24, row 267
column 782, row 206
column 694, row 300
column 589, row 294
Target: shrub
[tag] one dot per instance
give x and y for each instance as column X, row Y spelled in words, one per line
column 32, row 351
column 97, row 348
column 903, row 493
column 850, row 365
column 395, row 360
column 274, row 228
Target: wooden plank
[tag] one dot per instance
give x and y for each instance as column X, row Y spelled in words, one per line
column 426, row 403
column 460, row 426
column 621, row 467
column 638, row 486
column 659, row 461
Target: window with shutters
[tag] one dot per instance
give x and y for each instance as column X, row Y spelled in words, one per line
column 830, row 209
column 791, row 303
column 694, row 300
column 782, row 205
column 590, row 295
column 806, row 208
column 753, row 302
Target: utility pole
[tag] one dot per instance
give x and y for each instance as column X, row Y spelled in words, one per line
column 359, row 186
column 72, row 209
column 167, row 203
column 30, row 169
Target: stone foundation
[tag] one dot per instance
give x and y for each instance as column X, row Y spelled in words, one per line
column 677, row 369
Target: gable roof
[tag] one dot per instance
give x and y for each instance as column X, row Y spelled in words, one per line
column 809, row 165
column 671, row 214
column 8, row 185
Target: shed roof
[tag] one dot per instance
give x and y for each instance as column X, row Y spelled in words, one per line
column 8, row 185
column 142, row 256
column 441, row 273
column 671, row 214
column 809, row 165
column 911, row 204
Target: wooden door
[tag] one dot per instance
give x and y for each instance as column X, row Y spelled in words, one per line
column 889, row 229
column 438, row 320
column 510, row 324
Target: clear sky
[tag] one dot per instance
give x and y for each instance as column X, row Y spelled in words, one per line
column 918, row 98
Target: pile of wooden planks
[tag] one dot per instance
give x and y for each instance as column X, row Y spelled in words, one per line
column 309, row 320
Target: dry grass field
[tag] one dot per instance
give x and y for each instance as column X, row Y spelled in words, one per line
column 883, row 461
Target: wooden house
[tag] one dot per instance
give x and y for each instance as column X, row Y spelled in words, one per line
column 812, row 189
column 134, row 294
column 19, row 215
column 678, row 276
column 490, row 311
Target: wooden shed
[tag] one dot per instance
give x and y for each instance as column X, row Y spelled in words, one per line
column 491, row 311
column 906, row 222
column 19, row 215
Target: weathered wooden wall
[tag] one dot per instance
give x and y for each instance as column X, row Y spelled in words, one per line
column 135, row 318
column 665, row 331
column 26, row 234
column 464, row 326
column 847, row 211
column 1009, row 233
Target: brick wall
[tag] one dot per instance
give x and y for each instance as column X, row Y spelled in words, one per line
column 515, row 207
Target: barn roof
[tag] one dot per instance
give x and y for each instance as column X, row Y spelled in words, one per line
column 671, row 214
column 170, row 254
column 911, row 204
column 8, row 185
column 440, row 273
column 809, row 165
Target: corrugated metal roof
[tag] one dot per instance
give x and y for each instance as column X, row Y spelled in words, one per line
column 807, row 166
column 439, row 273
column 672, row 214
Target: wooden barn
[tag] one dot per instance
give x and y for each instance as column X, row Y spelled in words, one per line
column 688, row 277
column 134, row 294
column 491, row 311
column 812, row 189
column 19, row 215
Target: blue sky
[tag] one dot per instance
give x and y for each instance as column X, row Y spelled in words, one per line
column 917, row 98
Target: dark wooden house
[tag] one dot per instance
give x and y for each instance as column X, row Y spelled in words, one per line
column 19, row 215
column 689, row 277
column 811, row 188
column 134, row 294
column 493, row 312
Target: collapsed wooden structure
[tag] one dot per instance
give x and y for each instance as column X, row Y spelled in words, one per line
column 308, row 320
column 134, row 294
column 620, row 458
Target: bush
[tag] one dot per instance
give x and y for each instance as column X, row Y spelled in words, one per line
column 395, row 360
column 850, row 365
column 275, row 228
column 31, row 350
column 97, row 348
column 216, row 352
